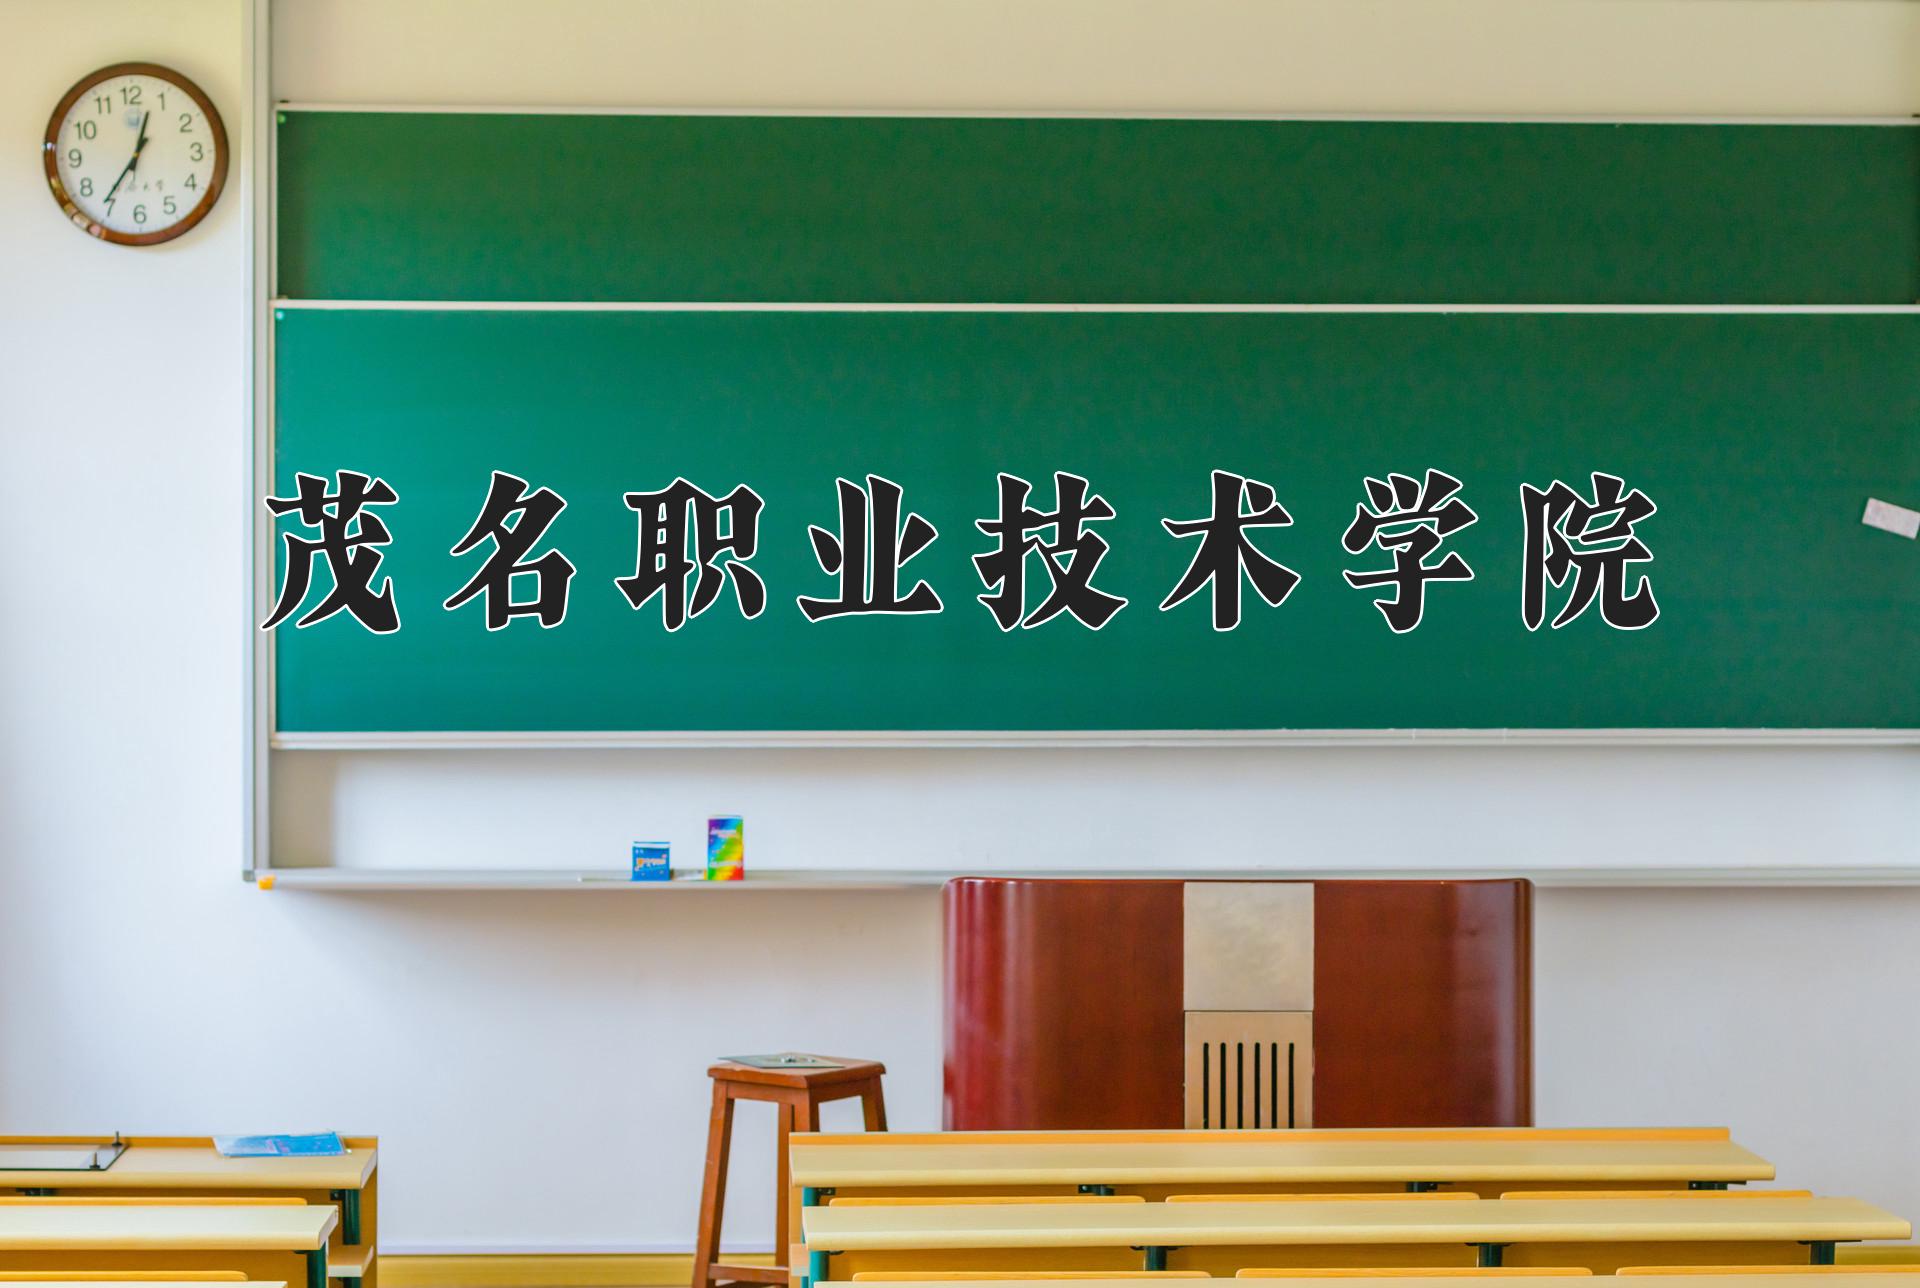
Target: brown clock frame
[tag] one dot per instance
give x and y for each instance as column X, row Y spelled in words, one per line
column 50, row 156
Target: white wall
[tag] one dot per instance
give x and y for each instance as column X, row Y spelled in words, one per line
column 144, row 987
column 1601, row 56
column 1775, row 810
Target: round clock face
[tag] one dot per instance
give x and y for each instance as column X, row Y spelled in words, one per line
column 136, row 154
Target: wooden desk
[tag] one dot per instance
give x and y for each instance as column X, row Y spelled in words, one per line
column 1154, row 1164
column 170, row 1165
column 1222, row 1238
column 287, row 1244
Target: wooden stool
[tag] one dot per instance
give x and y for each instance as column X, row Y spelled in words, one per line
column 799, row 1093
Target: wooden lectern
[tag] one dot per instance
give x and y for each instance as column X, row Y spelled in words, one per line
column 1237, row 1004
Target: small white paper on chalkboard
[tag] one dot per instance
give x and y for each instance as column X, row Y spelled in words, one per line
column 1888, row 517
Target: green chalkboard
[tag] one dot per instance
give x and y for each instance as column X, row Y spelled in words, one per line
column 1759, row 437
column 486, row 206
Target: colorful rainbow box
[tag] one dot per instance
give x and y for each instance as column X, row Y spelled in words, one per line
column 726, row 848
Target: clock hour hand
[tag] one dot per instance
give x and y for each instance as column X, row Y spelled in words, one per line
column 139, row 144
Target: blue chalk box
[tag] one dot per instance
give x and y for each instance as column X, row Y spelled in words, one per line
column 652, row 861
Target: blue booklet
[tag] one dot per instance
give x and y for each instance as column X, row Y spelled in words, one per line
column 315, row 1145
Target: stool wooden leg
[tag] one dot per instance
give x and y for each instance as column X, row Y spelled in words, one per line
column 798, row 1114
column 873, row 1105
column 783, row 1128
column 713, row 1191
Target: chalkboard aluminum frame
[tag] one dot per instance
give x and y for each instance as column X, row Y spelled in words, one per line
column 262, row 299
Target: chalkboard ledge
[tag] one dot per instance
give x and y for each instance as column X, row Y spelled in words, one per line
column 862, row 880
column 585, row 879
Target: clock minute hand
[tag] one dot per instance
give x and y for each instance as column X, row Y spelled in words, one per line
column 116, row 183
column 139, row 145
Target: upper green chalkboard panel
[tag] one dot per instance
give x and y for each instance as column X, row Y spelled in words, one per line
column 487, row 206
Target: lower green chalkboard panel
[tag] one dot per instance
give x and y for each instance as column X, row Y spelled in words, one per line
column 1759, row 438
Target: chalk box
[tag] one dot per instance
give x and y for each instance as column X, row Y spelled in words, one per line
column 652, row 861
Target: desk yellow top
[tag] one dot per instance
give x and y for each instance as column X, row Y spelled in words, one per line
column 29, row 1227
column 854, row 1229
column 1086, row 1160
column 1291, row 1281
column 197, row 1167
column 1354, row 1281
column 1803, row 1279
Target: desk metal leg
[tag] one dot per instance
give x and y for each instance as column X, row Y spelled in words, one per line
column 1156, row 1259
column 1822, row 1252
column 1706, row 1185
column 1490, row 1254
column 1100, row 1190
column 317, row 1267
column 349, row 1201
column 810, row 1196
column 1422, row 1187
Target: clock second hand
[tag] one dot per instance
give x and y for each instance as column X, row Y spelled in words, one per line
column 138, row 144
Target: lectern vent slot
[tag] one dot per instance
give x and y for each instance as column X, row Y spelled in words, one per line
column 1249, row 1069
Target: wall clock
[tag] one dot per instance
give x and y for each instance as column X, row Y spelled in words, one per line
column 135, row 154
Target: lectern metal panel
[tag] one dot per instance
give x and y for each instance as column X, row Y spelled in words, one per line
column 1249, row 1069
column 1248, row 945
